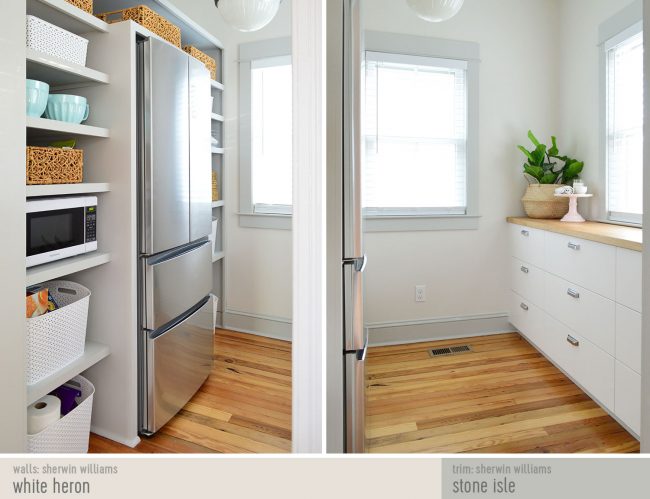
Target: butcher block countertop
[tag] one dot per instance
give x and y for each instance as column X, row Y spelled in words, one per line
column 615, row 235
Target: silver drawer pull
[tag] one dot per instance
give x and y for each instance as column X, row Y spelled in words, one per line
column 525, row 269
column 524, row 307
column 525, row 233
column 573, row 246
column 573, row 341
column 573, row 293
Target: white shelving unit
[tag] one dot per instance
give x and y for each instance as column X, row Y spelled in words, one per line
column 67, row 266
column 217, row 117
column 93, row 353
column 43, row 126
column 66, row 16
column 217, row 85
column 218, row 204
column 217, row 150
column 58, row 72
column 217, row 257
column 67, row 189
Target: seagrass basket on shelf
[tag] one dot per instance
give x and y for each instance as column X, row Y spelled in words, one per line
column 209, row 62
column 540, row 202
column 215, row 187
column 86, row 5
column 146, row 17
column 54, row 165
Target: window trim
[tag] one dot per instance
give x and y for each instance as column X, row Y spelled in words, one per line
column 418, row 47
column 618, row 28
column 251, row 216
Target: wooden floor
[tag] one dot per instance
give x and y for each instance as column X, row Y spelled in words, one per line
column 503, row 397
column 244, row 406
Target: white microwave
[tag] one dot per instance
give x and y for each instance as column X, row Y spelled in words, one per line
column 60, row 227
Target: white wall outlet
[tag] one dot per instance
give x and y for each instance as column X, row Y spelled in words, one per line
column 421, row 293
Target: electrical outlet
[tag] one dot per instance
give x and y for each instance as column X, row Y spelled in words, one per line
column 420, row 293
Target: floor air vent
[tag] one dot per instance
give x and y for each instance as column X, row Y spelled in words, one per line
column 439, row 352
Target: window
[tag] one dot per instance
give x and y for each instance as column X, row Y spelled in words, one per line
column 624, row 126
column 271, row 144
column 265, row 134
column 415, row 135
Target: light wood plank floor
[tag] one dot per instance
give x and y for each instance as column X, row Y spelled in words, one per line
column 503, row 397
column 244, row 406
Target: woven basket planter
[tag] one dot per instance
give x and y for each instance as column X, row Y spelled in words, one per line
column 71, row 433
column 209, row 62
column 86, row 5
column 215, row 187
column 54, row 165
column 146, row 17
column 540, row 202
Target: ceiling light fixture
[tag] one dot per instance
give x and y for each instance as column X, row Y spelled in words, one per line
column 435, row 11
column 248, row 15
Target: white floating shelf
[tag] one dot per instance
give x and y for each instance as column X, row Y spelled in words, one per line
column 217, row 150
column 217, row 117
column 217, row 85
column 218, row 256
column 66, row 189
column 67, row 266
column 42, row 126
column 66, row 16
column 57, row 72
column 218, row 204
column 94, row 352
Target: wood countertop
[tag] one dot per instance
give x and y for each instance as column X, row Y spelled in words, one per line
column 615, row 235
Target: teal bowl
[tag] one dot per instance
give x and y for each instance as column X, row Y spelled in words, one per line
column 68, row 108
column 36, row 95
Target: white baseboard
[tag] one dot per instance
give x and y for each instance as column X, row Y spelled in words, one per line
column 439, row 328
column 277, row 328
column 115, row 438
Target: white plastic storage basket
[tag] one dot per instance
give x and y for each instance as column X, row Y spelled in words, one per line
column 52, row 40
column 71, row 433
column 57, row 338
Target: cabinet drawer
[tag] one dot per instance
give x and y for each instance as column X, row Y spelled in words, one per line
column 587, row 364
column 527, row 244
column 527, row 318
column 588, row 264
column 585, row 312
column 628, row 397
column 628, row 278
column 628, row 337
column 527, row 281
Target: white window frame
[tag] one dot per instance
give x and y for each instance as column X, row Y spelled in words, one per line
column 422, row 49
column 620, row 27
column 256, row 216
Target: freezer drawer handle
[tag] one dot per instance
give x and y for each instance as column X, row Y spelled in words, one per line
column 574, row 247
column 573, row 341
column 524, row 269
column 524, row 307
column 573, row 293
column 525, row 233
column 359, row 263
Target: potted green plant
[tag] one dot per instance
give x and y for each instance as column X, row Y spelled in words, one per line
column 545, row 169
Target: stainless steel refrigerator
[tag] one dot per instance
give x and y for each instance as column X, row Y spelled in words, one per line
column 175, row 217
column 354, row 259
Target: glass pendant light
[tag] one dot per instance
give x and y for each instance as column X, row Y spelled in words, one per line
column 248, row 15
column 435, row 11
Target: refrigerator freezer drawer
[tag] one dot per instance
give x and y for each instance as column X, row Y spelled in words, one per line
column 177, row 363
column 174, row 282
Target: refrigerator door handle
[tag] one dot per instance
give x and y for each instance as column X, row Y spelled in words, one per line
column 359, row 263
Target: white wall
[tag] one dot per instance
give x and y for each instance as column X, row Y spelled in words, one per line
column 579, row 104
column 466, row 271
column 258, row 261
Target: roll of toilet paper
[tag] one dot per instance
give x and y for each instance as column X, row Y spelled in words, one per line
column 42, row 414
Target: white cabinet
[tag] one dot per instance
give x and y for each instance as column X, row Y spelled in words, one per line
column 579, row 303
column 628, row 397
column 588, row 264
column 628, row 278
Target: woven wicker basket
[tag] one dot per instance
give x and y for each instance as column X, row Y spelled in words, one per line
column 215, row 187
column 146, row 17
column 86, row 5
column 540, row 202
column 209, row 62
column 54, row 165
